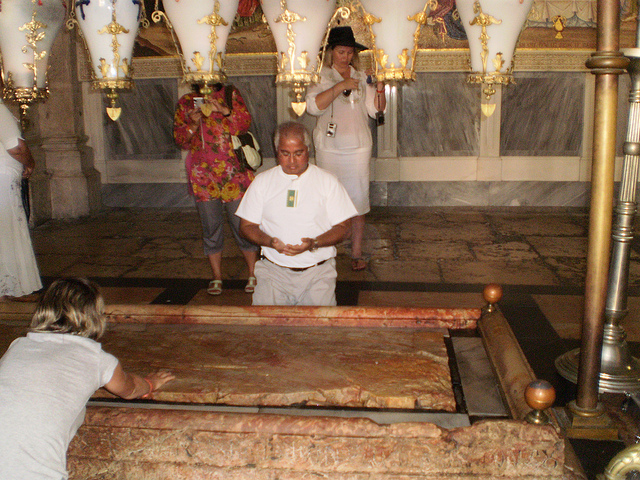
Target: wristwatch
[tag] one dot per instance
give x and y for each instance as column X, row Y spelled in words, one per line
column 314, row 245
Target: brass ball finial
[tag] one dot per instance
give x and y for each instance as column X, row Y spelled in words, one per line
column 539, row 395
column 492, row 294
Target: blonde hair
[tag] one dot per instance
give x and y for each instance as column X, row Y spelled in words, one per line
column 71, row 305
column 328, row 58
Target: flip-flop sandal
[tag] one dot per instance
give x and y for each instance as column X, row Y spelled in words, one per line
column 358, row 264
column 215, row 287
column 251, row 285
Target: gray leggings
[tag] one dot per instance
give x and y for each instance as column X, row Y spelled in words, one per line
column 211, row 218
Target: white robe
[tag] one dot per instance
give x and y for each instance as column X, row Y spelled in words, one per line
column 19, row 273
column 348, row 152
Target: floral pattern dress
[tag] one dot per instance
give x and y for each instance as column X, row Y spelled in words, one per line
column 213, row 170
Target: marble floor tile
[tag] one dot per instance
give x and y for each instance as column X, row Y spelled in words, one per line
column 509, row 251
column 420, row 299
column 464, row 217
column 434, row 250
column 171, row 268
column 559, row 246
column 229, row 296
column 426, row 271
column 570, row 270
column 84, row 269
column 52, row 265
column 163, row 248
column 564, row 312
column 502, row 272
column 472, row 232
column 533, row 224
column 129, row 295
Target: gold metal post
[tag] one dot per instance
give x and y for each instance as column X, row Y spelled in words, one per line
column 606, row 64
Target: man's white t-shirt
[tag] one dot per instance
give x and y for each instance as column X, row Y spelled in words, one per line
column 292, row 207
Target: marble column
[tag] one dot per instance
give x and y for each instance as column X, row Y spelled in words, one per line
column 489, row 160
column 65, row 183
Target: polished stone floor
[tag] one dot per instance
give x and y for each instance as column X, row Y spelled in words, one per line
column 423, row 257
column 417, row 257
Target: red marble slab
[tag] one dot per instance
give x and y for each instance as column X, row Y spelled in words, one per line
column 127, row 443
column 452, row 318
column 265, row 365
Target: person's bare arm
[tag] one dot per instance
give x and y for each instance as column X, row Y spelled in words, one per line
column 251, row 231
column 129, row 385
column 331, row 237
column 324, row 99
column 22, row 154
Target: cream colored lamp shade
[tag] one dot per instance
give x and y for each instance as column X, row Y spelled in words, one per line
column 299, row 28
column 492, row 28
column 27, row 31
column 395, row 29
column 109, row 29
column 202, row 28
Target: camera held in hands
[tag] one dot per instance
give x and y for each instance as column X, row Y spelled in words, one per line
column 331, row 129
column 198, row 101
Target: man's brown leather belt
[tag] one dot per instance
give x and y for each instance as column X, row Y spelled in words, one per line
column 297, row 269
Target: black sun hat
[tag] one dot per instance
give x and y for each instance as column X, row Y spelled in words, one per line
column 343, row 36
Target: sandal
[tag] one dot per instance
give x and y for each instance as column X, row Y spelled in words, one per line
column 251, row 285
column 358, row 264
column 215, row 287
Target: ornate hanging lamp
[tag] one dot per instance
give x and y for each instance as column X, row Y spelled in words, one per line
column 202, row 28
column 493, row 28
column 28, row 28
column 299, row 28
column 109, row 29
column 395, row 29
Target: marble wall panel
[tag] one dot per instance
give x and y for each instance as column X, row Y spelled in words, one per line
column 528, row 106
column 414, row 194
column 539, row 194
column 439, row 115
column 480, row 194
column 385, row 194
column 146, row 195
column 259, row 93
column 145, row 127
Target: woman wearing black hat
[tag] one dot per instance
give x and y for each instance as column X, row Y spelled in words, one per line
column 343, row 100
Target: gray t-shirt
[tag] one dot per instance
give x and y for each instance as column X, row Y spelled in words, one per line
column 45, row 382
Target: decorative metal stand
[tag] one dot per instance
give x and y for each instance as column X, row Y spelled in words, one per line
column 619, row 371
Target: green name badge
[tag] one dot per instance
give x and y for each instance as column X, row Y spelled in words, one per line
column 292, row 198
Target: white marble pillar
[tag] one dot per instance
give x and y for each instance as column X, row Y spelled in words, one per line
column 65, row 183
column 489, row 160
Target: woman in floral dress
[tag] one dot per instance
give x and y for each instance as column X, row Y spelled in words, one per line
column 203, row 125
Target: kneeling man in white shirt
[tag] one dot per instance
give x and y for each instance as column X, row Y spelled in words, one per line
column 297, row 213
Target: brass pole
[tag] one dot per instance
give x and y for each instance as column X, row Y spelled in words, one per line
column 606, row 64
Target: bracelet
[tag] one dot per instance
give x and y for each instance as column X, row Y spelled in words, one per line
column 379, row 91
column 148, row 394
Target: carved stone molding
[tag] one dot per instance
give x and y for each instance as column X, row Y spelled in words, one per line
column 454, row 60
